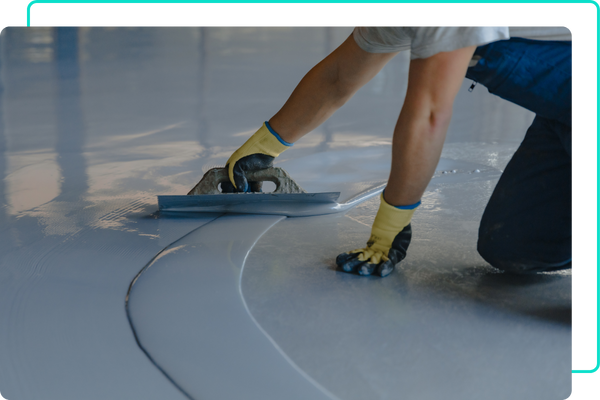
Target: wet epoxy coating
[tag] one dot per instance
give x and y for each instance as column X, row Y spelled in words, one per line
column 204, row 319
column 94, row 123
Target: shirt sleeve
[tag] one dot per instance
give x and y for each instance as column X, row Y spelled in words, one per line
column 428, row 41
column 425, row 41
column 382, row 40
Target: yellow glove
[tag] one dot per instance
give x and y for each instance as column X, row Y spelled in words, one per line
column 390, row 237
column 257, row 153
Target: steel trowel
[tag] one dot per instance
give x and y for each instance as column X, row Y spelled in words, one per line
column 206, row 196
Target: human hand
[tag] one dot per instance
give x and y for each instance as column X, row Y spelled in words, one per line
column 387, row 245
column 257, row 153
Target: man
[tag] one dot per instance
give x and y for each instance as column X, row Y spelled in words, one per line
column 526, row 226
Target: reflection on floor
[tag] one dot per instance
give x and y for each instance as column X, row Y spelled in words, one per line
column 95, row 122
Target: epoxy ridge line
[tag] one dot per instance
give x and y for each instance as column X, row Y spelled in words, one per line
column 197, row 245
column 127, row 311
column 273, row 342
column 350, row 203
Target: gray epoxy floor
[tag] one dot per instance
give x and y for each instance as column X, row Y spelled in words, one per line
column 95, row 122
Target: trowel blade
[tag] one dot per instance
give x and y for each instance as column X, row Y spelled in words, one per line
column 254, row 203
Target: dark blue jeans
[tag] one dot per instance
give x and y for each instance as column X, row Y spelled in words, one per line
column 526, row 226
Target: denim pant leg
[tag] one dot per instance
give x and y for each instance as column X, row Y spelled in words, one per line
column 526, row 226
column 534, row 74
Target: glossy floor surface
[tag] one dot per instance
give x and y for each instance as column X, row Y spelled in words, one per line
column 102, row 296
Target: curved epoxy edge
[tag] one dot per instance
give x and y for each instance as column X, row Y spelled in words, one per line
column 173, row 379
column 273, row 342
column 128, row 314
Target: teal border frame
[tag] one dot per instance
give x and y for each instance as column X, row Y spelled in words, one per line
column 594, row 369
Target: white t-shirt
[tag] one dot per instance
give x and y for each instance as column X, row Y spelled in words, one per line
column 425, row 41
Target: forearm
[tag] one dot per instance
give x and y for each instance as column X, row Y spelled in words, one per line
column 326, row 88
column 416, row 149
column 421, row 128
column 318, row 95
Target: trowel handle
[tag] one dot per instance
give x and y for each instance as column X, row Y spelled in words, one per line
column 209, row 184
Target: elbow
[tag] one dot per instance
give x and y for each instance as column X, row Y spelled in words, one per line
column 439, row 119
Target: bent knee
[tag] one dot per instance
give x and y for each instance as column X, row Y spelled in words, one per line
column 511, row 259
column 498, row 258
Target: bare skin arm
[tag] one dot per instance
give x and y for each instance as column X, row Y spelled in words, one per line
column 421, row 128
column 325, row 88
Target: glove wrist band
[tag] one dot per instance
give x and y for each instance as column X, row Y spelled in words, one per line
column 277, row 135
column 406, row 207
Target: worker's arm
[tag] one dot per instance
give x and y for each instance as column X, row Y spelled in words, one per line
column 421, row 128
column 416, row 148
column 323, row 90
column 327, row 87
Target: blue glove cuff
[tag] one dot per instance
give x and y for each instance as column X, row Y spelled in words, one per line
column 408, row 207
column 277, row 136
